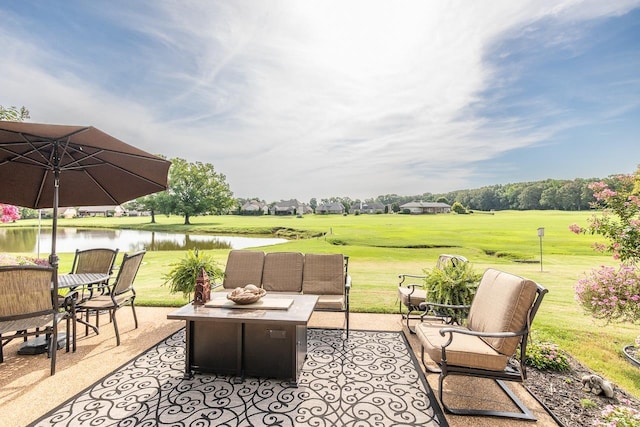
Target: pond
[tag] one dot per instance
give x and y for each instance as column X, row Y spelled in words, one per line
column 70, row 239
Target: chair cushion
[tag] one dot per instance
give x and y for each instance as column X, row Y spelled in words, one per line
column 243, row 267
column 409, row 298
column 331, row 302
column 464, row 350
column 501, row 304
column 324, row 274
column 283, row 272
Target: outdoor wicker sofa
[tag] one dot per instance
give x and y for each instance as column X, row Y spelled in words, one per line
column 325, row 275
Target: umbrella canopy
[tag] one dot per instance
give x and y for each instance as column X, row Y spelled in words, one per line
column 95, row 168
column 47, row 166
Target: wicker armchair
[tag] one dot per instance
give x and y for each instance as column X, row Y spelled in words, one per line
column 29, row 307
column 119, row 294
column 492, row 344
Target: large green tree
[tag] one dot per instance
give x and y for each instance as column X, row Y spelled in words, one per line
column 196, row 188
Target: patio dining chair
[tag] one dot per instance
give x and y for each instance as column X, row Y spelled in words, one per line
column 492, row 344
column 95, row 260
column 119, row 294
column 411, row 293
column 29, row 307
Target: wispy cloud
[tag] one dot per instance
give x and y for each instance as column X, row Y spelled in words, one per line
column 307, row 99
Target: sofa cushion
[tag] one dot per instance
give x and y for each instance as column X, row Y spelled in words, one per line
column 324, row 274
column 501, row 304
column 464, row 350
column 283, row 272
column 243, row 267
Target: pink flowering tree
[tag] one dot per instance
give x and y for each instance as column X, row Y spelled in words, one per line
column 8, row 213
column 609, row 293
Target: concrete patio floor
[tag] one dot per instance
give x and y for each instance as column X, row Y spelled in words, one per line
column 27, row 391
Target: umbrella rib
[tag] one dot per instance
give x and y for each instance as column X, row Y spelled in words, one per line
column 102, row 188
column 23, row 156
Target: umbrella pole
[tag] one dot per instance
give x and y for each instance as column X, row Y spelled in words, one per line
column 53, row 258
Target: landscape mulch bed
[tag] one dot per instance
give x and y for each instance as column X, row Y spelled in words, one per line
column 563, row 395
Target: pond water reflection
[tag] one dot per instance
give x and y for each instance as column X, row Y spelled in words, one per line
column 70, row 239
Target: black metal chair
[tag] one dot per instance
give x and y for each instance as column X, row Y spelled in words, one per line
column 492, row 344
column 119, row 294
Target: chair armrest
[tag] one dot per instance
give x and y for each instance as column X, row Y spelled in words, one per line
column 404, row 277
column 426, row 306
column 452, row 331
column 214, row 285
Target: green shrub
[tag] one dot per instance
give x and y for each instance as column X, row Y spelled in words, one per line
column 182, row 277
column 546, row 356
column 588, row 404
column 451, row 284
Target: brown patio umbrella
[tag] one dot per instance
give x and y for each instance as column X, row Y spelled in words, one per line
column 47, row 166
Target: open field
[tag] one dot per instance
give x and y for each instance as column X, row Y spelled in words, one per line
column 382, row 246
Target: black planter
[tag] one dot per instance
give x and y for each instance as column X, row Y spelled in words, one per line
column 629, row 354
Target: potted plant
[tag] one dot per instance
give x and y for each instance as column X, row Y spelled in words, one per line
column 451, row 284
column 182, row 277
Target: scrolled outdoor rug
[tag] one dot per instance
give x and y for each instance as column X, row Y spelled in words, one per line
column 371, row 379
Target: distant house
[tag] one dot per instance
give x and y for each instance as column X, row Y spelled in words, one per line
column 366, row 208
column 426, row 207
column 330, row 208
column 253, row 207
column 116, row 210
column 290, row 207
column 372, row 208
column 68, row 212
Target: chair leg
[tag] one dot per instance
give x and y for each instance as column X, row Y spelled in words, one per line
column 347, row 316
column 53, row 347
column 135, row 318
column 115, row 325
column 68, row 323
column 524, row 414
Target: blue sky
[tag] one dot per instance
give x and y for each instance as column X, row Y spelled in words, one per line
column 302, row 99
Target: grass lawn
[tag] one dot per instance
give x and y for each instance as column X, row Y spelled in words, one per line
column 382, row 246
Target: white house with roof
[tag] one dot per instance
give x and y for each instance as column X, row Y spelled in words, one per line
column 290, row 207
column 330, row 208
column 254, row 207
column 426, row 207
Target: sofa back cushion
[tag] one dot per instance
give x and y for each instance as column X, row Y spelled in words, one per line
column 243, row 267
column 283, row 272
column 324, row 274
column 502, row 304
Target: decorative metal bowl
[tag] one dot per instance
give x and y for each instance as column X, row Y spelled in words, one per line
column 246, row 297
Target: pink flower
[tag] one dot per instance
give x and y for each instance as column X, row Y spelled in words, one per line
column 575, row 228
column 8, row 213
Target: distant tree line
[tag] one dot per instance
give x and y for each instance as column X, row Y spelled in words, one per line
column 566, row 195
column 549, row 194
